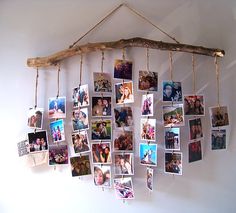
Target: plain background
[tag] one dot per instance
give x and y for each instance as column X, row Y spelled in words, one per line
column 39, row 28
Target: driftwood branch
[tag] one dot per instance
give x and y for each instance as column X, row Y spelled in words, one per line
column 123, row 43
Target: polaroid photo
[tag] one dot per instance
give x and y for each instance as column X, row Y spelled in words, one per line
column 147, row 105
column 23, row 148
column 80, row 119
column 124, row 164
column 80, row 142
column 58, row 154
column 101, row 129
column 194, row 151
column 80, row 96
column 124, row 93
column 194, row 105
column 102, row 176
column 148, row 154
column 172, row 91
column 101, row 106
column 123, row 117
column 148, row 81
column 80, row 165
column 172, row 138
column 218, row 139
column 219, row 116
column 149, row 178
column 38, row 141
column 148, row 129
column 57, row 108
column 102, row 82
column 57, row 130
column 101, row 153
column 123, row 69
column 35, row 118
column 123, row 140
column 173, row 163
column 195, row 129
column 173, row 115
column 124, row 188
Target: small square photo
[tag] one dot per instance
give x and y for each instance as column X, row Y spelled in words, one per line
column 38, row 141
column 80, row 142
column 219, row 116
column 80, row 119
column 35, row 118
column 124, row 92
column 101, row 153
column 218, row 139
column 195, row 129
column 173, row 163
column 148, row 81
column 58, row 154
column 102, row 82
column 194, row 151
column 148, row 154
column 148, row 129
column 101, row 129
column 124, row 164
column 173, row 115
column 80, row 166
column 172, row 91
column 149, row 178
column 123, row 69
column 101, row 106
column 57, row 108
column 23, row 148
column 194, row 105
column 57, row 130
column 124, row 188
column 123, row 140
column 172, row 138
column 80, row 96
column 102, row 176
column 123, row 117
column 147, row 105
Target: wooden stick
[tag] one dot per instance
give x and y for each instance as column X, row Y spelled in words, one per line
column 55, row 58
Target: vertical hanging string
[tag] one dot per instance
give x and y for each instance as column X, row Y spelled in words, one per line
column 194, row 74
column 148, row 60
column 103, row 58
column 36, row 89
column 58, row 80
column 171, row 65
column 123, row 54
column 217, row 80
column 80, row 70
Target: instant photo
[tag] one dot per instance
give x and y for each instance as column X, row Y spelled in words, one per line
column 124, row 92
column 123, row 140
column 57, row 130
column 148, row 154
column 102, row 82
column 123, row 69
column 218, row 139
column 149, row 179
column 101, row 129
column 101, row 106
column 124, row 164
column 148, row 129
column 195, row 129
column 101, row 153
column 194, row 151
column 80, row 142
column 23, row 148
column 173, row 163
column 102, row 176
column 173, row 115
column 147, row 105
column 35, row 118
column 80, row 119
column 123, row 117
column 80, row 96
column 80, row 165
column 219, row 116
column 194, row 105
column 172, row 138
column 172, row 91
column 57, row 108
column 38, row 141
column 58, row 154
column 148, row 81
column 124, row 188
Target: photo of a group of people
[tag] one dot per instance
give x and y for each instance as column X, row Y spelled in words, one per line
column 124, row 92
column 80, row 96
column 173, row 163
column 195, row 129
column 148, row 81
column 80, row 119
column 172, row 138
column 57, row 130
column 148, row 129
column 80, row 165
column 194, row 105
column 58, row 154
column 80, row 142
column 218, row 139
column 37, row 141
column 101, row 129
column 35, row 118
column 102, row 82
column 149, row 178
column 101, row 106
column 172, row 91
column 147, row 105
column 219, row 116
column 123, row 69
column 124, row 188
column 123, row 140
column 173, row 115
column 124, row 164
column 101, row 153
column 148, row 154
column 57, row 107
column 123, row 117
column 102, row 176
column 194, row 151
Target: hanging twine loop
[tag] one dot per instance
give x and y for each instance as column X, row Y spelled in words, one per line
column 80, row 70
column 194, row 74
column 171, row 65
column 217, row 80
column 58, row 79
column 36, row 88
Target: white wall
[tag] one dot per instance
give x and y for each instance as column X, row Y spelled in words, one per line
column 38, row 28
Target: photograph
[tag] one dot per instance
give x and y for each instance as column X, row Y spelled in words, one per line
column 219, row 116
column 148, row 81
column 58, row 154
column 80, row 119
column 101, row 129
column 80, row 96
column 149, row 179
column 124, row 164
column 102, row 176
column 173, row 163
column 35, row 118
column 172, row 91
column 173, row 115
column 124, row 92
column 123, row 117
column 101, row 106
column 147, row 105
column 123, row 69
column 195, row 129
column 38, row 141
column 57, row 108
column 102, row 82
column 80, row 166
column 80, row 142
column 101, row 153
column 218, row 139
column 23, row 148
column 57, row 130
column 194, row 151
column 123, row 140
column 172, row 138
column 148, row 129
column 148, row 154
column 124, row 188
column 194, row 105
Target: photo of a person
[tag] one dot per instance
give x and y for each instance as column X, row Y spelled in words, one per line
column 147, row 105
column 123, row 69
column 101, row 106
column 172, row 138
column 80, row 142
column 124, row 188
column 102, row 82
column 219, row 116
column 80, row 166
column 57, row 130
column 194, row 151
column 148, row 129
column 124, row 92
column 80, row 119
column 123, row 140
column 173, row 163
column 57, row 108
column 37, row 141
column 101, row 153
column 149, row 179
column 218, row 139
column 173, row 115
column 124, row 164
column 35, row 118
column 123, row 117
column 102, row 176
column 101, row 129
column 172, row 91
column 195, row 129
column 148, row 154
column 58, row 154
column 148, row 81
column 194, row 105
column 80, row 96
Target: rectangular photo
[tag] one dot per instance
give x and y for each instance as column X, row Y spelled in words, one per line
column 101, row 153
column 80, row 119
column 124, row 92
column 101, row 106
column 149, row 178
column 123, row 69
column 148, row 129
column 80, row 142
column 123, row 140
column 148, row 81
column 173, row 115
column 23, row 148
column 147, row 105
column 101, row 129
column 194, row 105
column 173, row 163
column 124, row 188
column 124, row 164
column 80, row 166
column 80, row 96
column 57, row 130
column 148, row 154
column 219, row 116
column 194, row 151
column 172, row 138
column 35, row 118
column 102, row 82
column 58, row 154
column 38, row 141
column 195, row 129
column 123, row 117
column 57, row 108
column 102, row 176
column 218, row 139
column 172, row 91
